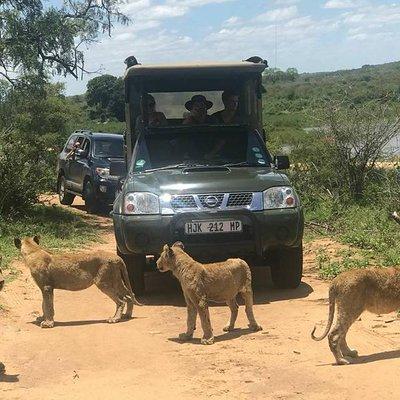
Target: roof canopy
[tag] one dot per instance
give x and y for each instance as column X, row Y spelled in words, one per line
column 195, row 69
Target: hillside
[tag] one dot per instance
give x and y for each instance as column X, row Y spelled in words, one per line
column 290, row 102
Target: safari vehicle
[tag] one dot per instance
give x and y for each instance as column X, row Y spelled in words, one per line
column 83, row 168
column 214, row 187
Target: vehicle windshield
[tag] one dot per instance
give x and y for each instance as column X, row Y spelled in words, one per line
column 108, row 148
column 233, row 148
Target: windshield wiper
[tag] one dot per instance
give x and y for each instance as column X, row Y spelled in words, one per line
column 175, row 166
column 241, row 164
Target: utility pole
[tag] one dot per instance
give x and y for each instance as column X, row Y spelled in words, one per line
column 276, row 45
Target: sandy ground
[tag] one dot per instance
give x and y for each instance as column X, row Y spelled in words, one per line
column 83, row 357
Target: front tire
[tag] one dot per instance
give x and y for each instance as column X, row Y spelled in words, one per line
column 135, row 264
column 287, row 267
column 64, row 197
column 91, row 203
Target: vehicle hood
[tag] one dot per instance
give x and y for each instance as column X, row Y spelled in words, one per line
column 203, row 181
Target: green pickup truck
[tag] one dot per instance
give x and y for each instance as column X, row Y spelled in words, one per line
column 208, row 183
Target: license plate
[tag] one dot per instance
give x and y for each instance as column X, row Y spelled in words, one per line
column 199, row 227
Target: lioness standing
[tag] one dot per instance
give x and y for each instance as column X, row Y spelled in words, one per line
column 2, row 367
column 218, row 282
column 376, row 290
column 77, row 272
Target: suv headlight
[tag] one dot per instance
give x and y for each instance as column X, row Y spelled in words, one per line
column 280, row 197
column 103, row 172
column 141, row 203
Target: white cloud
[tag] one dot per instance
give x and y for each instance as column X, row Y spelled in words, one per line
column 278, row 14
column 340, row 4
column 232, row 21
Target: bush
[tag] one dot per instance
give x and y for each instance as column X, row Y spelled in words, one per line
column 21, row 176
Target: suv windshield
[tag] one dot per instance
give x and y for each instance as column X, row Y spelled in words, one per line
column 108, row 148
column 231, row 147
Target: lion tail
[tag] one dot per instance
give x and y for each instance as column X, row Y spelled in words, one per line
column 125, row 278
column 332, row 298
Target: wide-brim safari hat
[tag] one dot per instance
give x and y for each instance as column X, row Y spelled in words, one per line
column 197, row 99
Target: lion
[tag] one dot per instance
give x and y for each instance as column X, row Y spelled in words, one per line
column 74, row 272
column 376, row 290
column 201, row 283
column 2, row 366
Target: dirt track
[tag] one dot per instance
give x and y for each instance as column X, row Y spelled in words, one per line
column 85, row 358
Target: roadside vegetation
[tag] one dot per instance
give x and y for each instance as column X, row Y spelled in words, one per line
column 335, row 127
column 58, row 228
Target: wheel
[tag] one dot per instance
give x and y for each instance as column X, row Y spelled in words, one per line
column 287, row 267
column 135, row 264
column 91, row 203
column 64, row 197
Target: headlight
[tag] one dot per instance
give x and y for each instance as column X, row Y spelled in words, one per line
column 141, row 203
column 103, row 172
column 280, row 197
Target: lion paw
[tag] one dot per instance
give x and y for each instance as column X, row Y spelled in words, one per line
column 351, row 353
column 126, row 317
column 207, row 341
column 113, row 320
column 47, row 324
column 255, row 327
column 228, row 328
column 343, row 361
column 185, row 336
column 39, row 319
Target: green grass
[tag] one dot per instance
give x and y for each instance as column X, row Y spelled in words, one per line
column 374, row 238
column 58, row 228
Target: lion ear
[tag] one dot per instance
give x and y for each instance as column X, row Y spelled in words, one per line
column 166, row 248
column 17, row 242
column 36, row 239
column 179, row 244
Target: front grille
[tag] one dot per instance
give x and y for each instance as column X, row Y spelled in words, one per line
column 183, row 202
column 216, row 200
column 240, row 199
column 213, row 201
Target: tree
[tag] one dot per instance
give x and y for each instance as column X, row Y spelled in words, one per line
column 38, row 40
column 105, row 96
column 357, row 136
column 292, row 74
column 33, row 126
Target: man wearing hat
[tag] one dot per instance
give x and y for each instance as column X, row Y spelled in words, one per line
column 198, row 106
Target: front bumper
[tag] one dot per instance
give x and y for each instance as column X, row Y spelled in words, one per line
column 262, row 231
column 105, row 190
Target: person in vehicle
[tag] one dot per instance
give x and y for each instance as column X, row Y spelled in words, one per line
column 198, row 106
column 71, row 153
column 229, row 114
column 155, row 118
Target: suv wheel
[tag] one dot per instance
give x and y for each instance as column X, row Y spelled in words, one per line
column 89, row 195
column 135, row 264
column 64, row 197
column 287, row 267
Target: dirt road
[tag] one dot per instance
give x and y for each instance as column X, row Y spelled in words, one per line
column 85, row 358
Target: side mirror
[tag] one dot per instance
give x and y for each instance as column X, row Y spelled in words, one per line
column 281, row 162
column 80, row 153
column 118, row 168
column 120, row 184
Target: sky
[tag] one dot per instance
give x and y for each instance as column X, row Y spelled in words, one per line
column 310, row 35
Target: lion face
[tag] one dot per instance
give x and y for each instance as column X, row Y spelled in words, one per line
column 166, row 261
